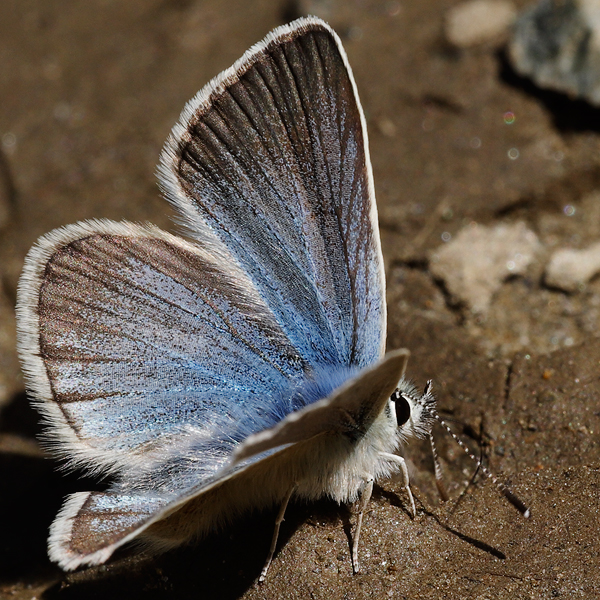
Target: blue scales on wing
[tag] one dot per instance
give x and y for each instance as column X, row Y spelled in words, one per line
column 146, row 338
column 271, row 157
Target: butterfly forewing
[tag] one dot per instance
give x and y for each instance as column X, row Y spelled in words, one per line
column 272, row 158
column 142, row 337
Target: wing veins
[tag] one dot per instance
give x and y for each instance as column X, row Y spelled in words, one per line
column 132, row 284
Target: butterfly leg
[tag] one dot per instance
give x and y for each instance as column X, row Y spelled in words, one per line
column 278, row 521
column 402, row 464
column 365, row 496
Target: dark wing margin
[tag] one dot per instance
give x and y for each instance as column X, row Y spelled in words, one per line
column 133, row 340
column 271, row 158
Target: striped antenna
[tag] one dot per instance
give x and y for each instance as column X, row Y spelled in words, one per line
column 503, row 488
column 439, row 475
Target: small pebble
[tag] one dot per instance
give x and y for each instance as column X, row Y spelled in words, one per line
column 478, row 21
column 569, row 270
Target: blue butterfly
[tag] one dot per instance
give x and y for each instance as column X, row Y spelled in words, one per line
column 243, row 367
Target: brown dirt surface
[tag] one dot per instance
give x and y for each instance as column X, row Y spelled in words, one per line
column 89, row 92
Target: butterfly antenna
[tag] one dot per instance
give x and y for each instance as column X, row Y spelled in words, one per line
column 472, row 480
column 439, row 475
column 503, row 488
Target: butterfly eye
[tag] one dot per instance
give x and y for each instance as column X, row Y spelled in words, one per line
column 402, row 409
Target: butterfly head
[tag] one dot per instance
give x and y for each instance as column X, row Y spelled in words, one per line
column 415, row 414
column 412, row 410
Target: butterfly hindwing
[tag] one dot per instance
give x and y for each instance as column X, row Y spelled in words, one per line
column 92, row 525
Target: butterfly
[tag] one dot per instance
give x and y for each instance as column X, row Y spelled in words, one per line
column 243, row 366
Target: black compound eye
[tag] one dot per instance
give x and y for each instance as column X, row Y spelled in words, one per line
column 402, row 409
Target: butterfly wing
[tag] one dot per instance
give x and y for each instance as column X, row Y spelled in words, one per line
column 271, row 157
column 92, row 525
column 132, row 339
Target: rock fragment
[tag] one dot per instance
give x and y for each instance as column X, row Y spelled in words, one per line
column 557, row 44
column 474, row 264
column 569, row 269
column 478, row 21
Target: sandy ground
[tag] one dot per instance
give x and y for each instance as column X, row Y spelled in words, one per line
column 89, row 92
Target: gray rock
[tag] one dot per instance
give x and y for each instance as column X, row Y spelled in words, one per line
column 557, row 44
